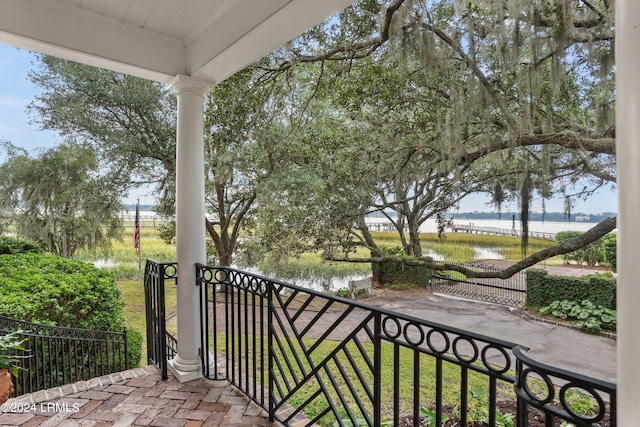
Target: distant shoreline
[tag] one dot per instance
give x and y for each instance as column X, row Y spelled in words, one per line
column 533, row 216
column 506, row 217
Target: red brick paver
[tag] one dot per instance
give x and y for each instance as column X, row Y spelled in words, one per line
column 135, row 398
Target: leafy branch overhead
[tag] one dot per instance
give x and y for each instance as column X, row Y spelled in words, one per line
column 450, row 98
column 395, row 107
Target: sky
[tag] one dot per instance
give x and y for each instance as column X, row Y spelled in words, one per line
column 17, row 91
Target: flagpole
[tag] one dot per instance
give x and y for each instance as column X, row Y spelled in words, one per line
column 136, row 233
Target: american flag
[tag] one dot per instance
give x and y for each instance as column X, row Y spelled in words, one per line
column 136, row 229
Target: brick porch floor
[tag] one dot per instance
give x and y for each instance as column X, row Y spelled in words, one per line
column 135, row 398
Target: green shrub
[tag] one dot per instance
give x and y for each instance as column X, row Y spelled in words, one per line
column 543, row 289
column 564, row 236
column 47, row 289
column 610, row 243
column 44, row 288
column 396, row 272
column 343, row 293
column 592, row 254
column 11, row 246
column 390, row 272
column 587, row 315
column 134, row 343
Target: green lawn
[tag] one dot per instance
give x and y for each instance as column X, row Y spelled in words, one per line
column 134, row 310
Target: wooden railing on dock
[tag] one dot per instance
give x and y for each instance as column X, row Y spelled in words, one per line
column 501, row 231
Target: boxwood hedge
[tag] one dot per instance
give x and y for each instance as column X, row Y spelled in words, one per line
column 543, row 289
column 9, row 245
column 44, row 288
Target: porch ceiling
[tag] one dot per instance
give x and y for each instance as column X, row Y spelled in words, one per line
column 159, row 39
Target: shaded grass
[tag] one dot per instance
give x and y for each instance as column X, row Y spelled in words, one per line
column 134, row 308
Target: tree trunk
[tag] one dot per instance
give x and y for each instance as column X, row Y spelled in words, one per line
column 415, row 249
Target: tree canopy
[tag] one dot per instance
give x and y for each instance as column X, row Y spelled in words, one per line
column 401, row 107
column 59, row 200
column 129, row 122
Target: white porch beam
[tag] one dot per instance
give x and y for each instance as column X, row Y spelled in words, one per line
column 628, row 161
column 190, row 221
column 89, row 38
column 287, row 23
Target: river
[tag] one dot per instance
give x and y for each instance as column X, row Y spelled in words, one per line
column 430, row 225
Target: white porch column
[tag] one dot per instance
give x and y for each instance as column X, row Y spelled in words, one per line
column 628, row 160
column 190, row 221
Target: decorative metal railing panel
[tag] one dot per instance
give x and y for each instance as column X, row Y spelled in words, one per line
column 562, row 396
column 297, row 351
column 511, row 291
column 57, row 355
column 160, row 344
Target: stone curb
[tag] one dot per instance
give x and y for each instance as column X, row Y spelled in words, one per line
column 80, row 386
column 529, row 316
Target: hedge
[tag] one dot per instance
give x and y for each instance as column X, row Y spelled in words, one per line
column 610, row 250
column 397, row 272
column 543, row 289
column 134, row 341
column 43, row 288
column 9, row 245
column 48, row 289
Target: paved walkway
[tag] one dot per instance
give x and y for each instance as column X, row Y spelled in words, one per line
column 576, row 351
column 135, row 398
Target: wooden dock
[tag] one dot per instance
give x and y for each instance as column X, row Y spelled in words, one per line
column 501, row 232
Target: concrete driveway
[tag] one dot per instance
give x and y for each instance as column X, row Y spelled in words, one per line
column 558, row 346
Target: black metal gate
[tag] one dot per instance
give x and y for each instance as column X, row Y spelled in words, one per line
column 511, row 291
column 161, row 346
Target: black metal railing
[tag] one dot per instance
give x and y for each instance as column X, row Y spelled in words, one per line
column 562, row 395
column 161, row 345
column 511, row 291
column 57, row 355
column 296, row 351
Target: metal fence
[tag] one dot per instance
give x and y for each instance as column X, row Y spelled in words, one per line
column 57, row 355
column 296, row 351
column 161, row 345
column 511, row 291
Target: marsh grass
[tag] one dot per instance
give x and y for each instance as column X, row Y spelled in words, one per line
column 311, row 265
column 122, row 260
column 461, row 247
